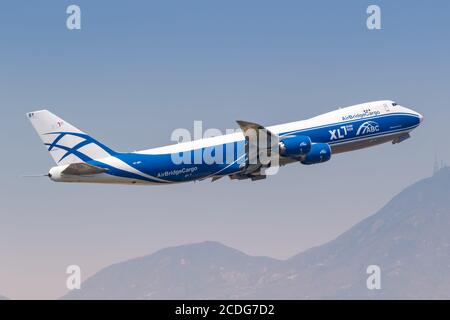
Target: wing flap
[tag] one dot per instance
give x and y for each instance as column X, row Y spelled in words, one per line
column 257, row 139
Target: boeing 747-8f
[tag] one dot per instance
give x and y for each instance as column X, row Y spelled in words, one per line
column 81, row 158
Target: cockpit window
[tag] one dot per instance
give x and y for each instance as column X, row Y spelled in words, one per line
column 394, row 104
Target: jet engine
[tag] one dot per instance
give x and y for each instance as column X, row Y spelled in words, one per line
column 320, row 152
column 295, row 146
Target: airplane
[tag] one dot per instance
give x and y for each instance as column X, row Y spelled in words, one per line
column 81, row 158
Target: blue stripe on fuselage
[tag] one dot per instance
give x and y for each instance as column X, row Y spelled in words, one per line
column 162, row 166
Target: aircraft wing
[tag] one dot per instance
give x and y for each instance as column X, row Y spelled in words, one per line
column 254, row 134
column 79, row 169
column 250, row 128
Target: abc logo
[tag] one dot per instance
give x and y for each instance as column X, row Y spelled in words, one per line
column 368, row 127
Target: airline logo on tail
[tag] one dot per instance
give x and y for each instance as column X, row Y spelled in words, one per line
column 75, row 149
column 66, row 143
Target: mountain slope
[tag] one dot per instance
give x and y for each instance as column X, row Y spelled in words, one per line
column 409, row 239
column 197, row 271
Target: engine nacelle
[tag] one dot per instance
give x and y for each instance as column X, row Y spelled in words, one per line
column 295, row 146
column 320, row 152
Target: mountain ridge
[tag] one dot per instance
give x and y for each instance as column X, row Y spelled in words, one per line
column 226, row 266
column 407, row 238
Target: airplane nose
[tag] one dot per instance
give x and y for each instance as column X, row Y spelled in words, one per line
column 420, row 117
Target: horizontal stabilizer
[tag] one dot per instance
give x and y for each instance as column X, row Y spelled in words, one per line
column 79, row 169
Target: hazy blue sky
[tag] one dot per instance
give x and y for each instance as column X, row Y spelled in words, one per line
column 139, row 69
